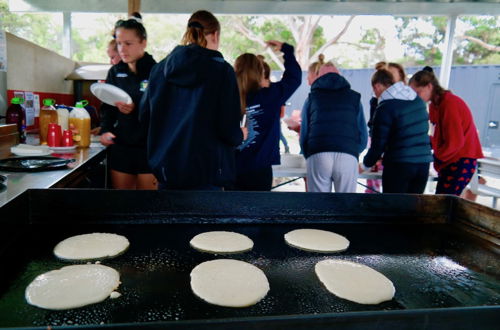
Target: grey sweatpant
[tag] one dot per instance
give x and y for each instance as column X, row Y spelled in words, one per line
column 326, row 167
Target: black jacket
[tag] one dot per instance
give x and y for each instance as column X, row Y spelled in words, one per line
column 331, row 119
column 400, row 132
column 127, row 128
column 192, row 109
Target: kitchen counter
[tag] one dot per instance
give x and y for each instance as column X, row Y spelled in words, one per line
column 18, row 182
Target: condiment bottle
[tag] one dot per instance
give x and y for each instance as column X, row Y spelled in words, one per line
column 15, row 115
column 79, row 120
column 62, row 116
column 48, row 115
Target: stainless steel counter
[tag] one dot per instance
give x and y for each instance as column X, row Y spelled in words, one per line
column 18, row 182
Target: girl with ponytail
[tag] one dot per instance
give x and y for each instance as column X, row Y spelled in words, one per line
column 262, row 106
column 120, row 127
column 192, row 109
column 454, row 135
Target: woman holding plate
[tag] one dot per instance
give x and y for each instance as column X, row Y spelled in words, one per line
column 120, row 126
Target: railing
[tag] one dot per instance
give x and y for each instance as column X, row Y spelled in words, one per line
column 489, row 168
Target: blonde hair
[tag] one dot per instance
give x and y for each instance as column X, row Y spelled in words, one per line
column 315, row 66
column 200, row 24
column 112, row 44
column 249, row 73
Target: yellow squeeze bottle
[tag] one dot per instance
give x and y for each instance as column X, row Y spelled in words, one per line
column 79, row 120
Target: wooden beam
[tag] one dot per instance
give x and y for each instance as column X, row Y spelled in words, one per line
column 134, row 6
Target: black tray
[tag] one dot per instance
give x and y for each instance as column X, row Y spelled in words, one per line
column 446, row 270
column 33, row 163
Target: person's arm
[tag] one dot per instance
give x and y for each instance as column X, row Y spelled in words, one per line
column 304, row 129
column 292, row 77
column 382, row 123
column 363, row 132
column 228, row 123
column 451, row 131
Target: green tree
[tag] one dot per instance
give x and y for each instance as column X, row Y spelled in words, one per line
column 37, row 28
column 422, row 37
column 304, row 32
column 481, row 42
column 421, row 48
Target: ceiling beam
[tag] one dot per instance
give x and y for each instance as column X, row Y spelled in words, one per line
column 290, row 7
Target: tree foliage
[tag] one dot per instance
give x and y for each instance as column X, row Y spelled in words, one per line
column 36, row 28
column 479, row 44
column 421, row 47
column 303, row 32
column 422, row 38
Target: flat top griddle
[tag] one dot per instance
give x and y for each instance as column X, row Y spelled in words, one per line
column 434, row 266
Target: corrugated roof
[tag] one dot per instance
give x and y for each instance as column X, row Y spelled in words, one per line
column 313, row 7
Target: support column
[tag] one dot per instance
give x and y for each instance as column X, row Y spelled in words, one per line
column 444, row 76
column 134, row 6
column 67, row 42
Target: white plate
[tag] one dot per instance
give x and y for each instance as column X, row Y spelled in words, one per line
column 30, row 153
column 110, row 94
column 29, row 150
column 63, row 150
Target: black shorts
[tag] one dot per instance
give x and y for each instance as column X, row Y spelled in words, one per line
column 128, row 159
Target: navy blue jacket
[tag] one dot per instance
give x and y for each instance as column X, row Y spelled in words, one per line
column 333, row 118
column 126, row 127
column 261, row 148
column 192, row 108
column 400, row 133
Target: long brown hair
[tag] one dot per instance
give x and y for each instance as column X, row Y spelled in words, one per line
column 425, row 77
column 267, row 68
column 200, row 24
column 249, row 72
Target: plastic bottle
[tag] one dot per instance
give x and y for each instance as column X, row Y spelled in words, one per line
column 79, row 120
column 15, row 115
column 63, row 116
column 48, row 115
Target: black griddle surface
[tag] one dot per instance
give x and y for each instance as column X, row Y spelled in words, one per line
column 431, row 266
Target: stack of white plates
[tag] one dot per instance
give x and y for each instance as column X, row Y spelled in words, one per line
column 29, row 150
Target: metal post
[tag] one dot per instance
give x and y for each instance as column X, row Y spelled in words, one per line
column 444, row 76
column 67, row 47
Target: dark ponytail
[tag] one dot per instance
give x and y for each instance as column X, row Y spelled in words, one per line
column 133, row 23
column 425, row 77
